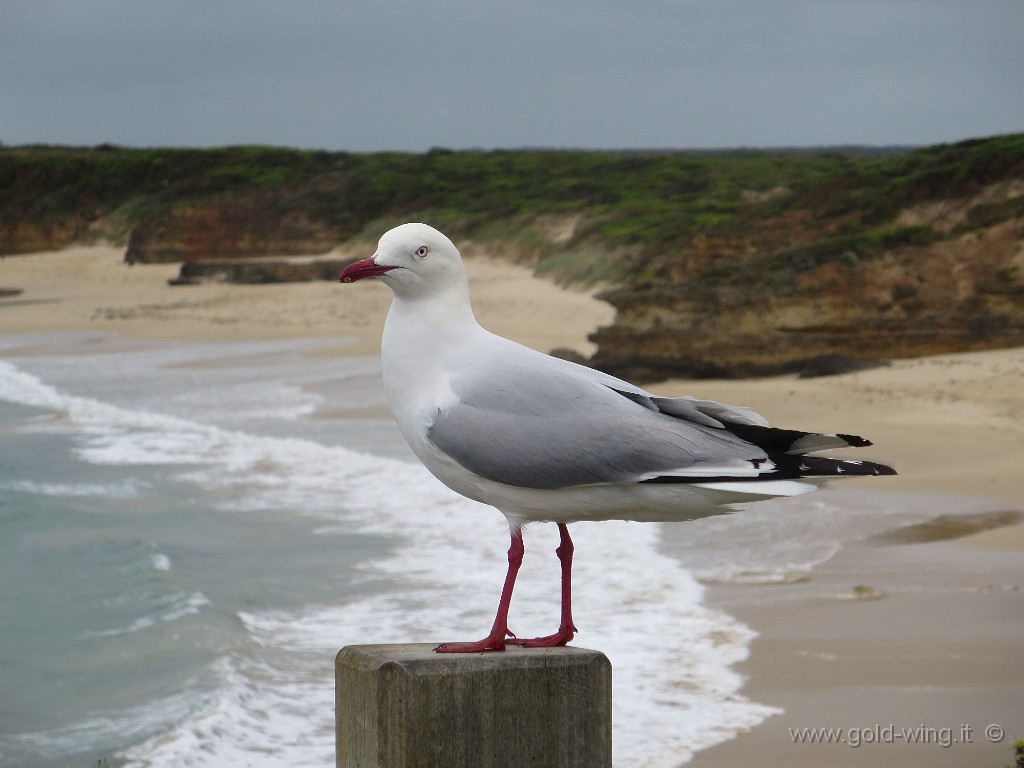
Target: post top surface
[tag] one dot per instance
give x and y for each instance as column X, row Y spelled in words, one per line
column 422, row 654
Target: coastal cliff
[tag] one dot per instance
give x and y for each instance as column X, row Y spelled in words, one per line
column 244, row 228
column 718, row 263
column 927, row 288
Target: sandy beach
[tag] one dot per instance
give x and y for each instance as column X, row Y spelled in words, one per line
column 92, row 288
column 909, row 642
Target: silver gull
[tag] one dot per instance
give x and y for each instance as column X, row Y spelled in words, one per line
column 546, row 440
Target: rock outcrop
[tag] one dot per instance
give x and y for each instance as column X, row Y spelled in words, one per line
column 232, row 228
column 964, row 293
column 259, row 271
column 33, row 236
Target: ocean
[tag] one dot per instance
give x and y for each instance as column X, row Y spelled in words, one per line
column 189, row 532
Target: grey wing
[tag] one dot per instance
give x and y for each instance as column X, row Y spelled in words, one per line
column 554, row 428
column 707, row 412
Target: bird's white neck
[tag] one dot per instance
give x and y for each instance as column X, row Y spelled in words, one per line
column 432, row 321
column 424, row 343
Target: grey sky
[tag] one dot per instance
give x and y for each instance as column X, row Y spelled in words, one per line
column 400, row 74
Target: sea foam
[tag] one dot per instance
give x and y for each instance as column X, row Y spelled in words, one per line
column 675, row 689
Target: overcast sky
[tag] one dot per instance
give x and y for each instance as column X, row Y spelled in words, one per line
column 406, row 75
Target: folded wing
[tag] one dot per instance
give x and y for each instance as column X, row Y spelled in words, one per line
column 565, row 425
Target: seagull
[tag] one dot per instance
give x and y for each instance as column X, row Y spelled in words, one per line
column 543, row 439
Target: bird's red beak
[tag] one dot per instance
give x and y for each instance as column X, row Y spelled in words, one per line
column 364, row 268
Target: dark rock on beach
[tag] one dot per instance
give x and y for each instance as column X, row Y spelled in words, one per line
column 258, row 271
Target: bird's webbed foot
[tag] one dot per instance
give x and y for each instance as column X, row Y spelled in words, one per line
column 493, row 642
column 562, row 637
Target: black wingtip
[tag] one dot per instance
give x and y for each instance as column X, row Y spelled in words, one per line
column 817, row 466
column 855, row 441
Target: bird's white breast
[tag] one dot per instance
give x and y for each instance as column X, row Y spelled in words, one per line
column 418, row 361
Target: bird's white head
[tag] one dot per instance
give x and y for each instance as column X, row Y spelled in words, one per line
column 414, row 260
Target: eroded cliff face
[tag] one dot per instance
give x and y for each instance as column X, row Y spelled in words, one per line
column 28, row 236
column 227, row 229
column 957, row 294
column 729, row 264
column 742, row 304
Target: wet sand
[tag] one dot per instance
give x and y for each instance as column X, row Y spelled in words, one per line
column 910, row 651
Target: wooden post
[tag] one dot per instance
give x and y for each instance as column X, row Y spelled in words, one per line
column 404, row 706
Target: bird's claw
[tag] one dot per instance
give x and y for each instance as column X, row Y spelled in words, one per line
column 493, row 642
column 562, row 637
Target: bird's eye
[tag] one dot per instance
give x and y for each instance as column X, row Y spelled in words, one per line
column 422, row 251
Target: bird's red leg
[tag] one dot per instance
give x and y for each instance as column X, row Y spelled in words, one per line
column 565, row 627
column 495, row 641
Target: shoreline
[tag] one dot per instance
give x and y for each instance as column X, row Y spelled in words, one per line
column 937, row 640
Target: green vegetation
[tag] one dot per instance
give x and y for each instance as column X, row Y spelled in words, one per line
column 780, row 268
column 585, row 267
column 1017, row 748
column 647, row 204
